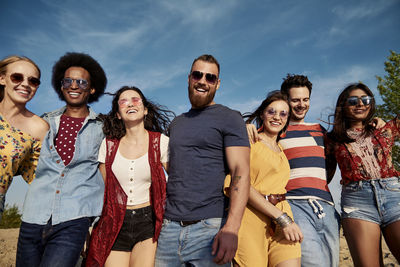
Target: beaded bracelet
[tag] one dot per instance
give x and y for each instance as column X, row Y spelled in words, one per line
column 283, row 220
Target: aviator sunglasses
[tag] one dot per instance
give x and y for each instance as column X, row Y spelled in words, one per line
column 67, row 83
column 18, row 78
column 272, row 112
column 198, row 75
column 124, row 102
column 354, row 100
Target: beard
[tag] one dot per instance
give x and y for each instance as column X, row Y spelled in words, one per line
column 199, row 101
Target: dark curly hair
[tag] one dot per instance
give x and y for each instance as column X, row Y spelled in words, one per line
column 272, row 96
column 157, row 119
column 341, row 122
column 293, row 80
column 98, row 79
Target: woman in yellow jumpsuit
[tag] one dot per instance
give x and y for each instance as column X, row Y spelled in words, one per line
column 268, row 236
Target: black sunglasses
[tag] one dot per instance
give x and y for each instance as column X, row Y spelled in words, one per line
column 354, row 100
column 67, row 83
column 19, row 78
column 198, row 75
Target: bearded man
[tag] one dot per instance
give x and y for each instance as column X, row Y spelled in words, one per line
column 206, row 143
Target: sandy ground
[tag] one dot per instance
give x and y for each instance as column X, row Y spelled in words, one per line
column 9, row 237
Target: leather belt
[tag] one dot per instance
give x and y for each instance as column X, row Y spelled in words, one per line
column 275, row 198
column 186, row 223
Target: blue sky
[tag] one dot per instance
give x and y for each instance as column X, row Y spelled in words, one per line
column 151, row 44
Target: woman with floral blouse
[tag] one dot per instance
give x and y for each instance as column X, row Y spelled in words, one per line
column 371, row 185
column 20, row 130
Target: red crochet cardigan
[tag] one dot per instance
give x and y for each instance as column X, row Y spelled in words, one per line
column 106, row 230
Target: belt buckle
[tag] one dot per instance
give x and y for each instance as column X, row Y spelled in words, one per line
column 187, row 223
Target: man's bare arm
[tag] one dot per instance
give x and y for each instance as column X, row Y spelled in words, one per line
column 225, row 242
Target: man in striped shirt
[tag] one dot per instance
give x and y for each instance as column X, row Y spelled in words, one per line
column 307, row 190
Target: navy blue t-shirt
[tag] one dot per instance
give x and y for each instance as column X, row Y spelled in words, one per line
column 197, row 162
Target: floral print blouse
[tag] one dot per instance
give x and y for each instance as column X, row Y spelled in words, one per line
column 19, row 154
column 354, row 167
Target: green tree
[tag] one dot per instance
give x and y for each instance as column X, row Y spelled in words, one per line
column 11, row 217
column 389, row 89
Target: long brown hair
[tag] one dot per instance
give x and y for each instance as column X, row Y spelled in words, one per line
column 9, row 60
column 257, row 114
column 341, row 122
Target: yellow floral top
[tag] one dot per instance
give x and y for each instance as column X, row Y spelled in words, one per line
column 19, row 154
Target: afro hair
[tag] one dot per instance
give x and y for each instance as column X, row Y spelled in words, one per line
column 98, row 79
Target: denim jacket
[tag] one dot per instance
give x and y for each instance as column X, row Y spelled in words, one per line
column 65, row 193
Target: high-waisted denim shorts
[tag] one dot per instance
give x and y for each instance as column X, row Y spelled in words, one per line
column 376, row 200
column 138, row 226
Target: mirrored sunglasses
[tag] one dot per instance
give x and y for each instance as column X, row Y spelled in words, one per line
column 272, row 112
column 198, row 75
column 18, row 78
column 354, row 100
column 67, row 83
column 124, row 102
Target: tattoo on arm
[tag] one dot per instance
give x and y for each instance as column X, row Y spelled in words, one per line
column 235, row 180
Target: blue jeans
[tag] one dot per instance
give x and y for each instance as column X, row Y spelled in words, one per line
column 187, row 246
column 319, row 223
column 375, row 201
column 2, row 204
column 51, row 245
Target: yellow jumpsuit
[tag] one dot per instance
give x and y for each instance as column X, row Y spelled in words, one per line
column 269, row 174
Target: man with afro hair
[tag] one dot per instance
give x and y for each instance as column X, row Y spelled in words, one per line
column 67, row 193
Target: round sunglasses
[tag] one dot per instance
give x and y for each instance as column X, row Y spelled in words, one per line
column 272, row 112
column 125, row 102
column 67, row 83
column 18, row 78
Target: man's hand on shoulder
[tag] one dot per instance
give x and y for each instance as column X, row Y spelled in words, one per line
column 378, row 123
column 252, row 133
column 225, row 245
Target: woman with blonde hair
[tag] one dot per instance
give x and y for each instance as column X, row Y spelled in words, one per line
column 21, row 131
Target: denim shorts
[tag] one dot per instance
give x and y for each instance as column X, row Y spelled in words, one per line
column 375, row 200
column 138, row 226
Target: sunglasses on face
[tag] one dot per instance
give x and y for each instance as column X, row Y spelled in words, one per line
column 272, row 112
column 354, row 100
column 67, row 83
column 198, row 75
column 124, row 102
column 18, row 78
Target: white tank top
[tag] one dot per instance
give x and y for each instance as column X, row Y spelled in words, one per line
column 134, row 175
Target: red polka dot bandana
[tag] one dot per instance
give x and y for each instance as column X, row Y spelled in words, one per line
column 66, row 137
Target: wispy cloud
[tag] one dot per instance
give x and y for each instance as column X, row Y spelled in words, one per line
column 360, row 10
column 349, row 17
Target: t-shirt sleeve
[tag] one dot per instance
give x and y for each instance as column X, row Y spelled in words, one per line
column 235, row 133
column 164, row 140
column 102, row 152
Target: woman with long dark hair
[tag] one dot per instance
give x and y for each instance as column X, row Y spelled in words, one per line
column 371, row 185
column 268, row 236
column 132, row 158
column 21, row 131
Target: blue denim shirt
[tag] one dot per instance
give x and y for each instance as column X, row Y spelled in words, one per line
column 66, row 192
